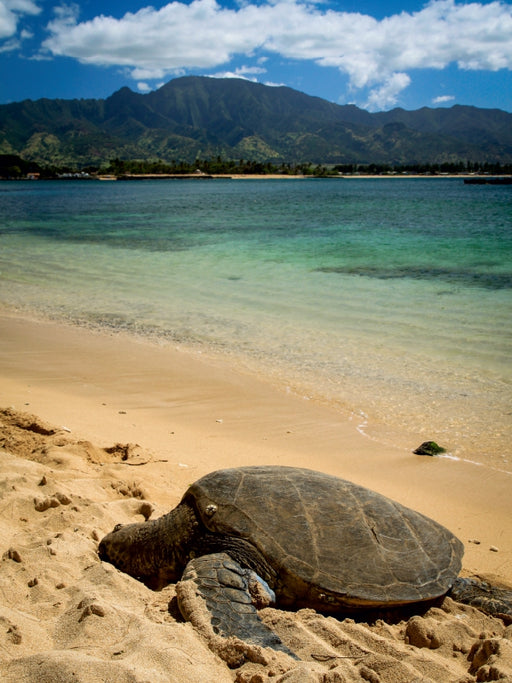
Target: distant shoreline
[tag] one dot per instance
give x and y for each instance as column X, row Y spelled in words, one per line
column 475, row 178
column 279, row 176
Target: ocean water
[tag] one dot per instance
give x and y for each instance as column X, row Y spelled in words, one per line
column 389, row 298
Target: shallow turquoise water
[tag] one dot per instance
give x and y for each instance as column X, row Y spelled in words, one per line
column 389, row 297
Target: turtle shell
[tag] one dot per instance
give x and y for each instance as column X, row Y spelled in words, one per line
column 329, row 541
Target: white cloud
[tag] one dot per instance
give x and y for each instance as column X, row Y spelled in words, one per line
column 442, row 99
column 249, row 73
column 143, row 87
column 9, row 45
column 377, row 55
column 150, row 74
column 176, row 36
column 10, row 13
column 386, row 95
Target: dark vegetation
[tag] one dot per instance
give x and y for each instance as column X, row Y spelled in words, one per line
column 197, row 118
column 13, row 167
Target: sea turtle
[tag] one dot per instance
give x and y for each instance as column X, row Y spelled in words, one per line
column 297, row 537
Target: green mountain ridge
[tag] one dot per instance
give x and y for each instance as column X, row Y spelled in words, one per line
column 200, row 117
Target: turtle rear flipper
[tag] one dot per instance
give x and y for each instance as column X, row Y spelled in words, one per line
column 490, row 599
column 214, row 596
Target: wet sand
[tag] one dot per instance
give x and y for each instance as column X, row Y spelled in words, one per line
column 184, row 415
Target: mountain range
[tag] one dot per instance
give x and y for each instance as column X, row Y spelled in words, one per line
column 200, row 117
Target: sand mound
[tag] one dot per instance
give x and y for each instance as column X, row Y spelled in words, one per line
column 65, row 616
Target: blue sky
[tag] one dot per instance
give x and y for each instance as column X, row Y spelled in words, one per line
column 372, row 53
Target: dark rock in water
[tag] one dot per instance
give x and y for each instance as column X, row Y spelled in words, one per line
column 429, row 448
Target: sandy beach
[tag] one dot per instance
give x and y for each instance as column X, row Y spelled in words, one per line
column 99, row 429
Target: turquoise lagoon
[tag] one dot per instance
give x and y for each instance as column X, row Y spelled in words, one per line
column 388, row 298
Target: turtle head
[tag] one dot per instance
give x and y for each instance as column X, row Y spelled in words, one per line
column 155, row 552
column 131, row 549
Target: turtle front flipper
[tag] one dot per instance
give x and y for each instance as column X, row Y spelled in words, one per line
column 214, row 596
column 490, row 599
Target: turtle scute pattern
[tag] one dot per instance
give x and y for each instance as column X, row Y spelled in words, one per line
column 332, row 542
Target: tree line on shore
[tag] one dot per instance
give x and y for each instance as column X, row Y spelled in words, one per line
column 14, row 167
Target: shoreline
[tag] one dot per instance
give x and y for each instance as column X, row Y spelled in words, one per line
column 199, row 414
column 277, row 176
